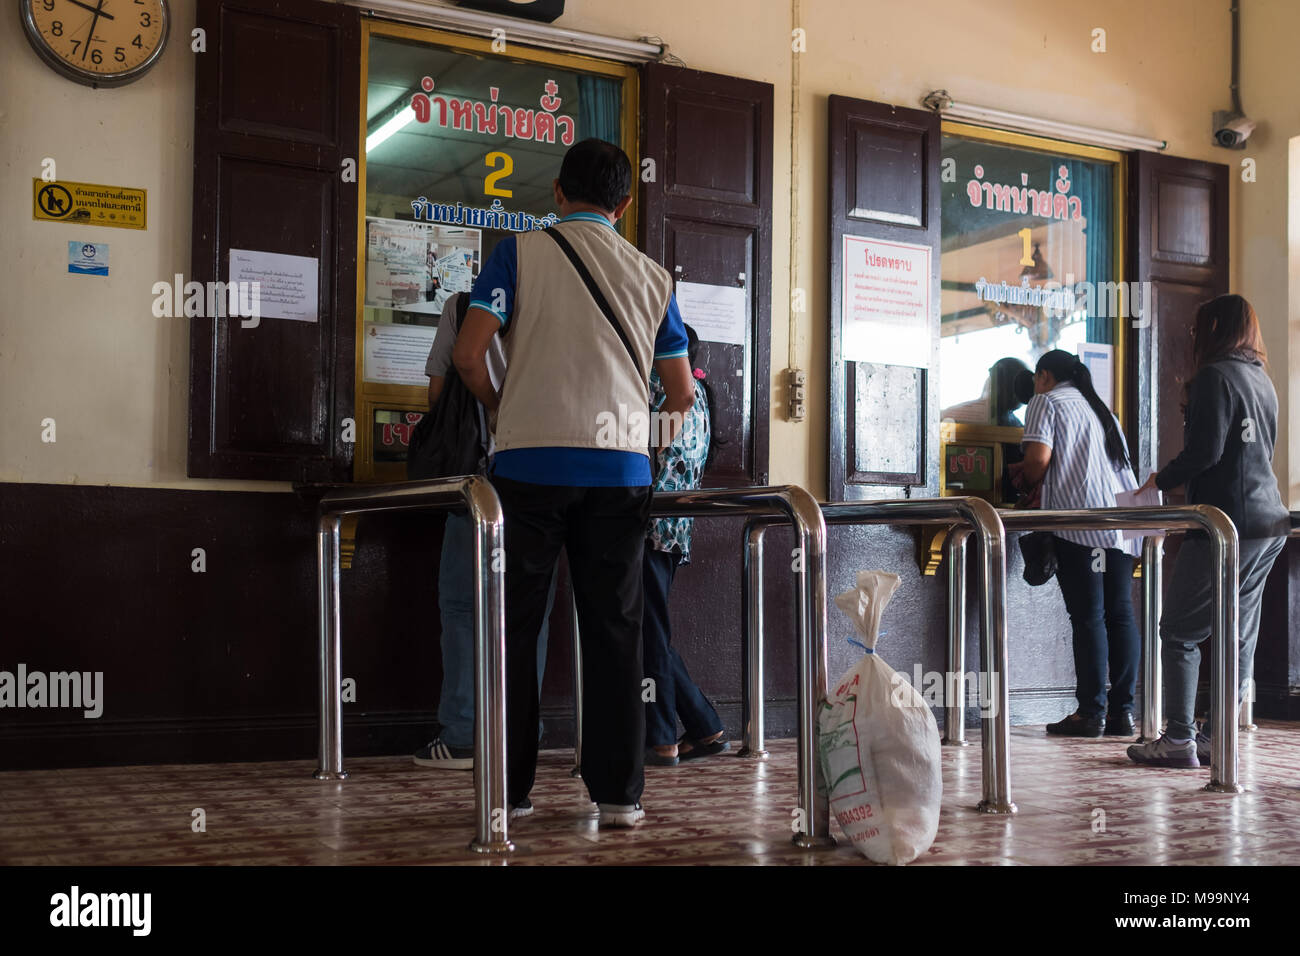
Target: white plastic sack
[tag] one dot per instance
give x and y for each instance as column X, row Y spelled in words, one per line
column 878, row 744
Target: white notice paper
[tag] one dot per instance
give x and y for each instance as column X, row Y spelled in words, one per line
column 287, row 284
column 885, row 302
column 395, row 354
column 1137, row 499
column 1099, row 357
column 717, row 313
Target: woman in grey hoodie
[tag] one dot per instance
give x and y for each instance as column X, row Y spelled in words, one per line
column 1227, row 461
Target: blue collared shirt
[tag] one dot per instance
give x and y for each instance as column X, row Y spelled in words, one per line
column 494, row 292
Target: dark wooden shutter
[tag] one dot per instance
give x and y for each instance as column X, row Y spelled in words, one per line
column 707, row 217
column 884, row 184
column 1178, row 219
column 276, row 98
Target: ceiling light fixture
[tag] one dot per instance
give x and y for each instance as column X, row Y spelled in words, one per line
column 520, row 31
column 940, row 102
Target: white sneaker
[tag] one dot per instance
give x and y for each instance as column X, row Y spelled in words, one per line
column 1203, row 748
column 620, row 815
column 524, row 808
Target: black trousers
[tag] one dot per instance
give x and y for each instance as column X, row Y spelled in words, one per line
column 602, row 530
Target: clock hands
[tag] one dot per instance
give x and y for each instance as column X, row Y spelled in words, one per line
column 99, row 12
column 85, row 6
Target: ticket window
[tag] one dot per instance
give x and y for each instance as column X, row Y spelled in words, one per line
column 1031, row 262
column 461, row 147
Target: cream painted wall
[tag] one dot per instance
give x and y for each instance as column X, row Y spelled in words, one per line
column 88, row 352
column 1271, row 96
column 83, row 350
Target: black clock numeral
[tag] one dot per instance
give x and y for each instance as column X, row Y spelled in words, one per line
column 96, row 57
column 57, row 28
column 48, row 5
column 145, row 20
column 119, row 54
column 76, row 45
column 136, row 42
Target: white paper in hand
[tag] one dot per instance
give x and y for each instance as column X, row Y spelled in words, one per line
column 1137, row 499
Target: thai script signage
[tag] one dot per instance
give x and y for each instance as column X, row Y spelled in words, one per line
column 885, row 302
column 1024, row 199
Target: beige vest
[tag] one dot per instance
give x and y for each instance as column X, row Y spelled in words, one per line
column 566, row 369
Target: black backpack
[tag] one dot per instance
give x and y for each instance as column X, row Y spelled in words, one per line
column 449, row 440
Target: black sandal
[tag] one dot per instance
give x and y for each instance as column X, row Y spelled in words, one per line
column 699, row 749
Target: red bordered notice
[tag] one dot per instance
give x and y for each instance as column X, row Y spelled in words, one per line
column 885, row 302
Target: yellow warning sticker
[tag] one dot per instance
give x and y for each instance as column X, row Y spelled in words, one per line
column 89, row 204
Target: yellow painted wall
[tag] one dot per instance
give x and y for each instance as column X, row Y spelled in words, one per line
column 89, row 353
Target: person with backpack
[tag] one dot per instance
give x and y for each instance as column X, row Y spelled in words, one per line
column 452, row 747
column 584, row 315
column 680, row 467
column 1229, row 430
column 1073, row 445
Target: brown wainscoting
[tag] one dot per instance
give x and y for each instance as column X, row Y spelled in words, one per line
column 220, row 665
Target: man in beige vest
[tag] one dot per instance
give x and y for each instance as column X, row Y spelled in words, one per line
column 584, row 316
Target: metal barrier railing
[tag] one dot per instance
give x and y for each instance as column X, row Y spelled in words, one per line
column 809, row 569
column 491, row 815
column 982, row 520
column 1224, row 635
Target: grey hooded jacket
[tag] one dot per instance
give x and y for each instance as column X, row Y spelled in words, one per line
column 1228, row 438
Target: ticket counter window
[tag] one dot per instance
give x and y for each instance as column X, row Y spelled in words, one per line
column 1029, row 264
column 462, row 146
column 1030, row 260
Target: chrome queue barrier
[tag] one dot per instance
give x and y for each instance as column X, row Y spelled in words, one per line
column 577, row 686
column 802, row 511
column 1223, row 635
column 979, row 518
column 1153, row 687
column 771, row 505
column 491, row 833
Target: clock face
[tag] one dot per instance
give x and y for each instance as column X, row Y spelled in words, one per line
column 98, row 42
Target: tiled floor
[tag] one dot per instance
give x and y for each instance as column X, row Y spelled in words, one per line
column 720, row 810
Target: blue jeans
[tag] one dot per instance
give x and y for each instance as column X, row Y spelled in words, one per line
column 456, row 607
column 675, row 693
column 1100, row 604
column 1185, row 623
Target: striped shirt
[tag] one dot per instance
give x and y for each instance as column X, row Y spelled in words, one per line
column 1080, row 474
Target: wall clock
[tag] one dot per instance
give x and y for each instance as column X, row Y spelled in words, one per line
column 97, row 42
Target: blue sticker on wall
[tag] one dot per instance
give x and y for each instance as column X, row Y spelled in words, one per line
column 88, row 258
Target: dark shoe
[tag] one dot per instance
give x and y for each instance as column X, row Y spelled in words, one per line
column 1121, row 726
column 1076, row 726
column 699, row 749
column 438, row 756
column 654, row 758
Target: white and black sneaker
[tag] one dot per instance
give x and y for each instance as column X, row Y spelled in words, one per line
column 524, row 808
column 436, row 755
column 620, row 815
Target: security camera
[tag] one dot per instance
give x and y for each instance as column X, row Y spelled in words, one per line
column 1231, row 130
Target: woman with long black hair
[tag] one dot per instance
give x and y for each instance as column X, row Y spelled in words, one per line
column 1074, row 445
column 1229, row 429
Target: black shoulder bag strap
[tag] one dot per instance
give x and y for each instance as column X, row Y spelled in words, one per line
column 601, row 302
